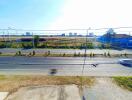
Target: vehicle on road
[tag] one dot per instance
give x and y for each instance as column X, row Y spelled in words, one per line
column 53, row 71
column 126, row 62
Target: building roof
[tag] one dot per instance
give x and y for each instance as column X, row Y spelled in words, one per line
column 122, row 36
column 119, row 36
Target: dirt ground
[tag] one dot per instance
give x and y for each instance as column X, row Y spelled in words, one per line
column 106, row 89
column 56, row 92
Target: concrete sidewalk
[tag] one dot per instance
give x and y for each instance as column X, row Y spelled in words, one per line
column 3, row 95
column 55, row 92
column 106, row 89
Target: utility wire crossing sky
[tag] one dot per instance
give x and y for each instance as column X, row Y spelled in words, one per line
column 64, row 14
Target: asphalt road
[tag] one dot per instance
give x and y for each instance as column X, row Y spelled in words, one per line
column 64, row 65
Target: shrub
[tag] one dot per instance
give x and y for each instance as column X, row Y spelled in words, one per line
column 16, row 45
column 125, row 54
column 75, row 54
column 64, row 54
column 105, row 54
column 48, row 52
column 2, row 45
column 18, row 53
column 90, row 45
column 91, row 54
column 79, row 54
column 27, row 45
column 109, row 54
column 34, row 53
column 125, row 82
column 30, row 54
column 36, row 40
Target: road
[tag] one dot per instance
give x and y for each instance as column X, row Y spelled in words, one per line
column 65, row 66
column 67, row 51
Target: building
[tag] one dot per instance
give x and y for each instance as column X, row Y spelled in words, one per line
column 28, row 34
column 70, row 34
column 91, row 35
column 117, row 40
column 75, row 34
column 63, row 35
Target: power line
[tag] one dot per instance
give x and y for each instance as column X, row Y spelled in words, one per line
column 68, row 29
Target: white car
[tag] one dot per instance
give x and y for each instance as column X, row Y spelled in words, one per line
column 126, row 62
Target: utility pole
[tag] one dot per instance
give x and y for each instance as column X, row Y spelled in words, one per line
column 85, row 57
column 33, row 40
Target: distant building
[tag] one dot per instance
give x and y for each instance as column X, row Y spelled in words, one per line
column 75, row 34
column 28, row 34
column 63, row 34
column 80, row 35
column 70, row 34
column 91, row 34
column 117, row 40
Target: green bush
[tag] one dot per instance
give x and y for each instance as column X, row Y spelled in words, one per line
column 34, row 52
column 90, row 45
column 27, row 45
column 48, row 52
column 75, row 54
column 105, row 54
column 36, row 40
column 18, row 53
column 64, row 55
column 79, row 54
column 16, row 45
column 125, row 82
column 108, row 54
column 2, row 45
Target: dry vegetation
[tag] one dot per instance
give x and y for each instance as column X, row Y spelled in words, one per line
column 14, row 82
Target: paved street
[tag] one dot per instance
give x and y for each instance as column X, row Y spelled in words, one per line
column 64, row 65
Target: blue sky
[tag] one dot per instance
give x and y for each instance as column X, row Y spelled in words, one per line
column 29, row 14
column 65, row 14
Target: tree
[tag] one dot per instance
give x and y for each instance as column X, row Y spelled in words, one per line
column 64, row 55
column 79, row 54
column 109, row 35
column 91, row 54
column 75, row 54
column 36, row 40
column 105, row 54
column 108, row 54
column 48, row 52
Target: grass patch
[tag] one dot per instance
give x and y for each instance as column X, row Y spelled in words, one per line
column 124, row 82
column 11, row 83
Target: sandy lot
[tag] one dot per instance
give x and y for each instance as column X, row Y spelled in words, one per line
column 61, row 92
column 106, row 89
